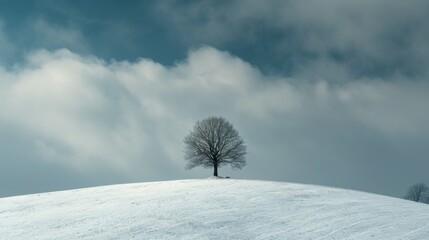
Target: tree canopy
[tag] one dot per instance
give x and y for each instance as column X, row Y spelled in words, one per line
column 213, row 143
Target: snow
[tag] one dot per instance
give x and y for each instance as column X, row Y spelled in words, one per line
column 212, row 209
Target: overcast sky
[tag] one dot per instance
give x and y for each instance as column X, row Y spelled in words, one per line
column 102, row 92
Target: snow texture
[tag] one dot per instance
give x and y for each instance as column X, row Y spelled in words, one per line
column 212, row 209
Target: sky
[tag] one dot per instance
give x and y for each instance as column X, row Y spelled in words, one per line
column 331, row 93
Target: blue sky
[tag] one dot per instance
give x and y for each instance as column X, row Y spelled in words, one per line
column 101, row 92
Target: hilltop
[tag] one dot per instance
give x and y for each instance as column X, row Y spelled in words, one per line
column 211, row 209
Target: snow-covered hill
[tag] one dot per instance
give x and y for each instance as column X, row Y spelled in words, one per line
column 211, row 209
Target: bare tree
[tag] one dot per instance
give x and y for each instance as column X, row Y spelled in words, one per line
column 213, row 143
column 418, row 192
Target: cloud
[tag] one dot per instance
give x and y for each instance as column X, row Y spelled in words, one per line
column 65, row 100
column 83, row 113
column 368, row 38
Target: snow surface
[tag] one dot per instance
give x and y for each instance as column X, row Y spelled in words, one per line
column 211, row 209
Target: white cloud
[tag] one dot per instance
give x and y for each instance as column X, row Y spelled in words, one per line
column 65, row 100
column 132, row 116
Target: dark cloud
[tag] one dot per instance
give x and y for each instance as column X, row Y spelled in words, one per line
column 368, row 38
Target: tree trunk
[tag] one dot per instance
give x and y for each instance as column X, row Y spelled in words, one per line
column 215, row 170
